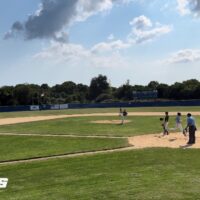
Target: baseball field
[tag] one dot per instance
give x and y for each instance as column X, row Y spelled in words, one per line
column 86, row 154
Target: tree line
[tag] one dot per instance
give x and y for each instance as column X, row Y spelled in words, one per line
column 98, row 91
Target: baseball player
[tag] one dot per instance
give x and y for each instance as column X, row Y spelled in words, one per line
column 123, row 116
column 165, row 124
column 179, row 122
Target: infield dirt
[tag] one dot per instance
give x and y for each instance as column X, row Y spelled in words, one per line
column 16, row 120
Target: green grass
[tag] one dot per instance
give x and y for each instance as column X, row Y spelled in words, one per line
column 83, row 126
column 22, row 147
column 156, row 174
column 97, row 110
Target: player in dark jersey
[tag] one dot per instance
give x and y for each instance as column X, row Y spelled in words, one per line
column 165, row 124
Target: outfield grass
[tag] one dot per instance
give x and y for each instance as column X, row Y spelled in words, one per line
column 166, row 174
column 22, row 147
column 83, row 126
column 97, row 110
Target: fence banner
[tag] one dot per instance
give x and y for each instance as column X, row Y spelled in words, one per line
column 55, row 107
column 101, row 105
column 34, row 107
column 64, row 106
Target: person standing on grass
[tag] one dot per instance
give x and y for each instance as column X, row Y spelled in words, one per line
column 165, row 124
column 192, row 128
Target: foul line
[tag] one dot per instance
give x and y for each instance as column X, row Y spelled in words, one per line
column 69, row 155
column 70, row 136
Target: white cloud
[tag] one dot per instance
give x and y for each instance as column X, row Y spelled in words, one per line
column 184, row 56
column 109, row 46
column 141, row 22
column 149, row 35
column 63, row 52
column 77, row 55
column 183, row 7
column 104, row 54
column 87, row 8
column 189, row 7
column 143, row 30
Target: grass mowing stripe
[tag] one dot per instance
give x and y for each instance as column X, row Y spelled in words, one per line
column 20, row 147
column 166, row 174
column 82, row 126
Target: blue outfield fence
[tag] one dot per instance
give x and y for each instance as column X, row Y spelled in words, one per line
column 14, row 108
column 137, row 104
column 99, row 105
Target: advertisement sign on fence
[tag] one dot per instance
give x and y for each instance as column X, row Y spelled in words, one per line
column 64, row 106
column 59, row 106
column 55, row 107
column 34, row 107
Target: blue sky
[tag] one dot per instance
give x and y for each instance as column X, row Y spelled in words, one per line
column 52, row 41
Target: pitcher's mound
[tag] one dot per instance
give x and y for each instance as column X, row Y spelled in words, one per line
column 110, row 121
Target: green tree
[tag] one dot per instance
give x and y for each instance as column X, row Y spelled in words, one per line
column 125, row 92
column 163, row 91
column 7, row 96
column 98, row 85
column 22, row 94
column 153, row 85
